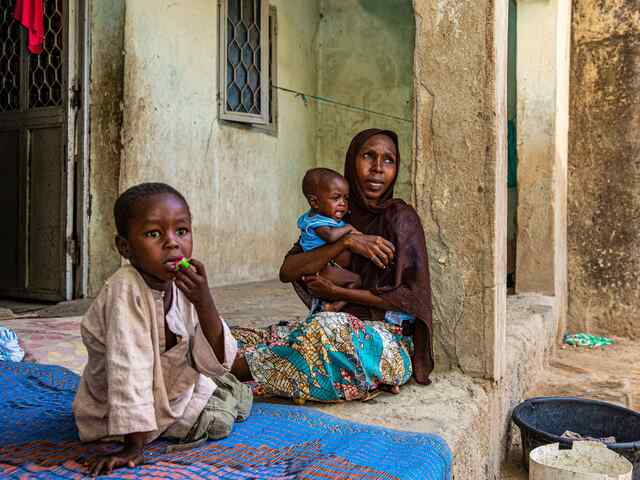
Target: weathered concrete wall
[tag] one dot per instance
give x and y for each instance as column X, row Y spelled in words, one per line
column 542, row 143
column 106, row 84
column 243, row 185
column 536, row 145
column 461, row 177
column 604, row 168
column 365, row 52
column 560, row 174
column 543, row 92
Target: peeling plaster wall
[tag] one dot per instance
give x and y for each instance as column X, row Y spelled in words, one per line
column 536, row 73
column 366, row 59
column 243, row 185
column 604, row 168
column 107, row 75
column 461, row 177
column 543, row 96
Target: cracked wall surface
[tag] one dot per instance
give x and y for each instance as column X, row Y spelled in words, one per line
column 243, row 184
column 460, row 179
column 604, row 168
column 536, row 138
column 365, row 51
column 105, row 92
column 542, row 137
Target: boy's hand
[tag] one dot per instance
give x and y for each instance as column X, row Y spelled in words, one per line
column 127, row 457
column 194, row 284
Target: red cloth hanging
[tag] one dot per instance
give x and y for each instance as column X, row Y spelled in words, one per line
column 30, row 14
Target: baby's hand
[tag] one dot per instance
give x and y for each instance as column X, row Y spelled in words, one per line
column 194, row 284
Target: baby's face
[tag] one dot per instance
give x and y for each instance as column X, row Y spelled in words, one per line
column 333, row 198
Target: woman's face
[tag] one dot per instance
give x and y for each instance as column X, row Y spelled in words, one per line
column 376, row 167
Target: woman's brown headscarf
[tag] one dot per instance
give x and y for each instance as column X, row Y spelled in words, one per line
column 405, row 284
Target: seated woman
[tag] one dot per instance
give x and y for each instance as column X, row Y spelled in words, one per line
column 384, row 333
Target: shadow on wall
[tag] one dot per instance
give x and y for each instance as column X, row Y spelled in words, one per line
column 366, row 59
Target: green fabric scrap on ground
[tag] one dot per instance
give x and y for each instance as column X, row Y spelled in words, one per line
column 587, row 340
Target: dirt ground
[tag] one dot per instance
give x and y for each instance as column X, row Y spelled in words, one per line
column 611, row 374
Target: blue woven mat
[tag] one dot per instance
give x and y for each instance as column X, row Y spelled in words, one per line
column 38, row 439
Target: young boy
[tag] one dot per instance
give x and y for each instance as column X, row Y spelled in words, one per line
column 328, row 195
column 159, row 352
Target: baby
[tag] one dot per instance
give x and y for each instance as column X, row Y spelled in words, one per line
column 328, row 195
column 159, row 352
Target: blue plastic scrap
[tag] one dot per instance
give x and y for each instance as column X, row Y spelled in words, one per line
column 10, row 349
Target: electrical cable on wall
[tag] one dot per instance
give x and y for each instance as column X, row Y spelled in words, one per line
column 305, row 98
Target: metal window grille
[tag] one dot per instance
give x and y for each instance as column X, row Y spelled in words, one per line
column 244, row 59
column 30, row 81
column 273, row 68
column 9, row 58
column 45, row 70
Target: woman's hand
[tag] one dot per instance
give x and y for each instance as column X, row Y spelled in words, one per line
column 320, row 287
column 127, row 457
column 377, row 249
column 193, row 283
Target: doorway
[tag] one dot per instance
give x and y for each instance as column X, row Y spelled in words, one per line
column 512, row 168
column 39, row 100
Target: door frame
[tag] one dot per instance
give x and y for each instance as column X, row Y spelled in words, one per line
column 82, row 200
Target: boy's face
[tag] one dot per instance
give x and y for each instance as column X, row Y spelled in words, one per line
column 332, row 198
column 159, row 236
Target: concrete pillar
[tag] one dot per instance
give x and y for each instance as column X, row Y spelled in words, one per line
column 542, row 124
column 461, row 175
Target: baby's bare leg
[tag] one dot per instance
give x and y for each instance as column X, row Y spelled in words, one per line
column 344, row 259
column 342, row 278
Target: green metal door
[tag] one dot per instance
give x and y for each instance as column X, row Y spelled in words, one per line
column 36, row 150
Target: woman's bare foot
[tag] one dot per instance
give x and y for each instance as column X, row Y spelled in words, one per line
column 395, row 389
column 333, row 307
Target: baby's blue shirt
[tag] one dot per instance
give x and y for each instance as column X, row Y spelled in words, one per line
column 309, row 239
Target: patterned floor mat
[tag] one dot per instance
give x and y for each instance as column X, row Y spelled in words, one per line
column 54, row 341
column 277, row 442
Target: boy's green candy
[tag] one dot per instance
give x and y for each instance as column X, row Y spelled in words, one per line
column 184, row 263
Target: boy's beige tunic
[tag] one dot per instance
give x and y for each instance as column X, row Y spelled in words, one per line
column 130, row 384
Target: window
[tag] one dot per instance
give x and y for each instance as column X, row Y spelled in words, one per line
column 245, row 61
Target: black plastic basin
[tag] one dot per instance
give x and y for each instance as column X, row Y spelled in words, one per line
column 542, row 420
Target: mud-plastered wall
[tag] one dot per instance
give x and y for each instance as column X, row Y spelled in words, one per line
column 105, row 93
column 243, row 184
column 604, row 168
column 365, row 50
